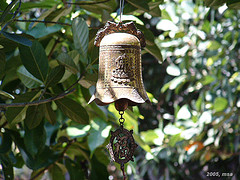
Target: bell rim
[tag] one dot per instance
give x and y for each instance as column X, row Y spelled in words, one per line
column 131, row 102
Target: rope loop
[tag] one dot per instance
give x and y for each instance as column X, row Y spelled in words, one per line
column 121, row 9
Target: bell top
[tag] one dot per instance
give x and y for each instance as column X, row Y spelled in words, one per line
column 120, row 39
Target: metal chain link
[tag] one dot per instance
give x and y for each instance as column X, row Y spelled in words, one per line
column 121, row 119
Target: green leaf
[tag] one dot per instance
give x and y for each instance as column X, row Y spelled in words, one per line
column 80, row 35
column 199, row 103
column 220, row 104
column 3, row 4
column 36, row 172
column 34, row 116
column 44, row 159
column 153, row 137
column 141, row 143
column 151, row 46
column 7, row 167
column 233, row 4
column 173, row 70
column 98, row 169
column 74, row 170
column 77, row 130
column 73, row 110
column 34, row 139
column 143, row 5
column 68, row 62
column 207, row 80
column 19, row 161
column 98, row 133
column 109, row 6
column 183, row 113
column 41, row 30
column 155, row 51
column 17, row 114
column 18, row 38
column 58, row 13
column 55, row 76
column 214, row 3
column 213, row 45
column 94, row 108
column 155, row 12
column 35, row 60
column 174, row 139
column 45, row 14
column 2, row 61
column 167, row 25
column 49, row 113
column 37, row 4
column 7, row 10
column 6, row 94
column 75, row 56
column 6, row 142
column 57, row 171
column 28, row 79
column 174, row 83
column 93, row 51
column 88, row 80
column 154, row 8
column 7, row 45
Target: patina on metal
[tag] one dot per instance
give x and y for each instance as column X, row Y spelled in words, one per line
column 120, row 69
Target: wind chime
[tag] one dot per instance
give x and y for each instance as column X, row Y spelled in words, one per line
column 120, row 81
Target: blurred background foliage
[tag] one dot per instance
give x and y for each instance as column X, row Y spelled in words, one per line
column 191, row 128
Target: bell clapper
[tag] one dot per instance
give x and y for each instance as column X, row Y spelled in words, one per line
column 121, row 104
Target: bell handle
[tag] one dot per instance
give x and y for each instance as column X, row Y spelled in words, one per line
column 112, row 27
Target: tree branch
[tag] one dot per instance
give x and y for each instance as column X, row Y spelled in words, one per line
column 34, row 103
column 87, row 3
column 47, row 22
column 53, row 48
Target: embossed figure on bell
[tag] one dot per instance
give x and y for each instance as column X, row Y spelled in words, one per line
column 120, row 67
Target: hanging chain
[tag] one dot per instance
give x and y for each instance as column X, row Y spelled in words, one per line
column 121, row 9
column 121, row 119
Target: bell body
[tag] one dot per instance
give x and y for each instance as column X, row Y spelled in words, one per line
column 120, row 71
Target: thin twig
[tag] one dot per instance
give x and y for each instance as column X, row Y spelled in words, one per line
column 7, row 13
column 14, row 15
column 46, row 22
column 35, row 103
column 87, row 3
column 53, row 48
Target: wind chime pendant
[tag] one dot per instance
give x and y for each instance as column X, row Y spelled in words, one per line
column 120, row 81
column 122, row 145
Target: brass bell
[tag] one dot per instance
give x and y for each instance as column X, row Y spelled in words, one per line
column 120, row 67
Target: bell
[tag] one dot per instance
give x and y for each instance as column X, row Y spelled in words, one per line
column 120, row 67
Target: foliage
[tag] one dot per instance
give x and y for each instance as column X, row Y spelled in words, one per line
column 193, row 127
column 198, row 104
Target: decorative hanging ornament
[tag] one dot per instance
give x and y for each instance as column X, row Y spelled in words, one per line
column 120, row 81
